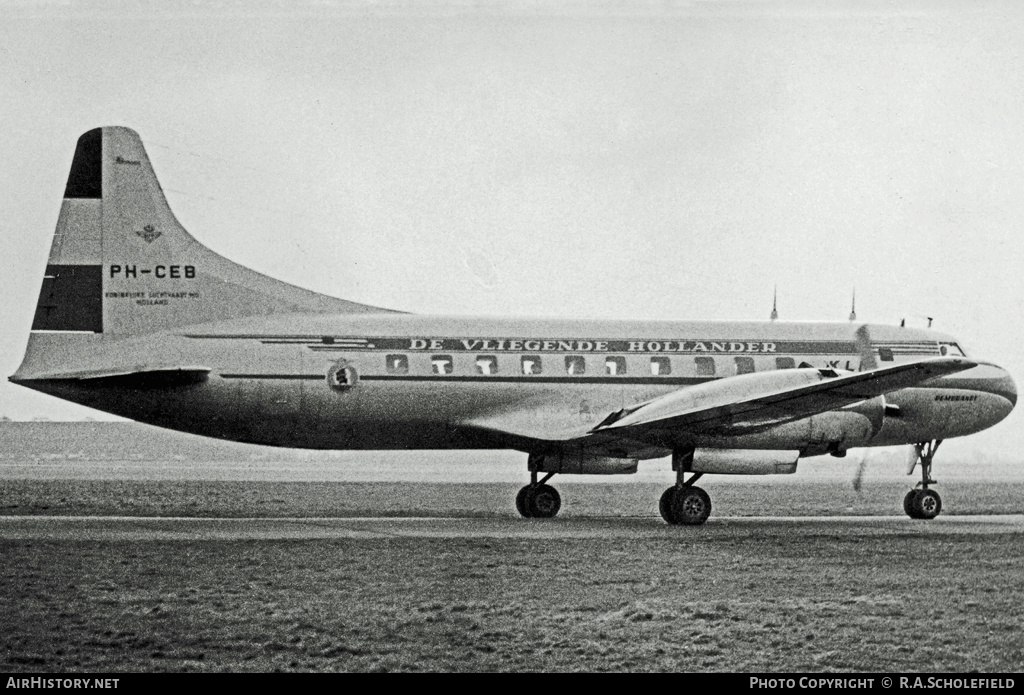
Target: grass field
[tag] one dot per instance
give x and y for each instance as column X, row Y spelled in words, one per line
column 730, row 497
column 717, row 598
column 764, row 602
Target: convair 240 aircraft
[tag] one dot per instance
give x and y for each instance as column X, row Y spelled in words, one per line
column 137, row 318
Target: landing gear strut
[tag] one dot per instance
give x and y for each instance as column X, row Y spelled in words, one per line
column 538, row 500
column 683, row 503
column 922, row 502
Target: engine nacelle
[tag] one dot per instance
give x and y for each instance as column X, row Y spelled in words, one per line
column 744, row 461
column 854, row 425
column 580, row 463
column 834, row 431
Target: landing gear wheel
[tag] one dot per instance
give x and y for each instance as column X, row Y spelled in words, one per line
column 538, row 501
column 521, row 507
column 542, row 501
column 688, row 506
column 928, row 504
column 922, row 502
column 910, row 504
column 692, row 506
column 665, row 504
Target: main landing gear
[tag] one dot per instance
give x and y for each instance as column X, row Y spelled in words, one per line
column 538, row 500
column 683, row 503
column 922, row 502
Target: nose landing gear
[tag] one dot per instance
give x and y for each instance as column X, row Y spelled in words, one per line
column 922, row 502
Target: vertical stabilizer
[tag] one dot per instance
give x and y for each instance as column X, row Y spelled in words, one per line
column 122, row 266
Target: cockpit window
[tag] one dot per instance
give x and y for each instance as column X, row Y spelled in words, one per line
column 951, row 349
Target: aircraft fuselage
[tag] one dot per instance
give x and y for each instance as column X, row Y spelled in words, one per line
column 411, row 381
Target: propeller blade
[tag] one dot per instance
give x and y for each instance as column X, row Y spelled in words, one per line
column 912, row 458
column 867, row 352
column 858, row 477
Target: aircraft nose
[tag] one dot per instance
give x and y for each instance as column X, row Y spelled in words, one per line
column 987, row 378
column 994, row 399
column 1007, row 388
column 998, row 382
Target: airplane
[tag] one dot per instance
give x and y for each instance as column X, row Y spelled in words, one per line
column 137, row 318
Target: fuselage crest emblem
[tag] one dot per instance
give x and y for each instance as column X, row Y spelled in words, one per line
column 149, row 233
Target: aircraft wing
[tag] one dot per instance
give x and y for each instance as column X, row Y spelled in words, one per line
column 728, row 406
column 750, row 402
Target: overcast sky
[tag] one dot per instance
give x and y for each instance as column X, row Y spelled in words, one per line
column 616, row 160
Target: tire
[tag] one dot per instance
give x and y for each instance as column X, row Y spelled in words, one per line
column 665, row 505
column 543, row 501
column 910, row 504
column 928, row 504
column 521, row 502
column 691, row 506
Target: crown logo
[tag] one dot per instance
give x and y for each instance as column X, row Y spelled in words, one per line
column 149, row 233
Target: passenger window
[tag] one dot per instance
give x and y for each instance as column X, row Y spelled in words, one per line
column 442, row 364
column 397, row 364
column 785, row 363
column 486, row 364
column 531, row 364
column 575, row 364
column 705, row 366
column 744, row 365
column 615, row 366
column 885, row 354
column 660, row 366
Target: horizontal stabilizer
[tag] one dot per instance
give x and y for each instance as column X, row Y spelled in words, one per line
column 148, row 378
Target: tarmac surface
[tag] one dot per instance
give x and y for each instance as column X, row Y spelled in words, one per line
column 94, row 528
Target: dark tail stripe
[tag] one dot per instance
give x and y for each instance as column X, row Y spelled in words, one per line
column 86, row 177
column 71, row 299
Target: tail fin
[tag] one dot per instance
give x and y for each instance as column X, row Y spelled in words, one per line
column 121, row 264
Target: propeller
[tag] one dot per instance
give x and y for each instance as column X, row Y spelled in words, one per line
column 864, row 347
column 867, row 363
column 889, row 456
column 858, row 477
column 912, row 458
